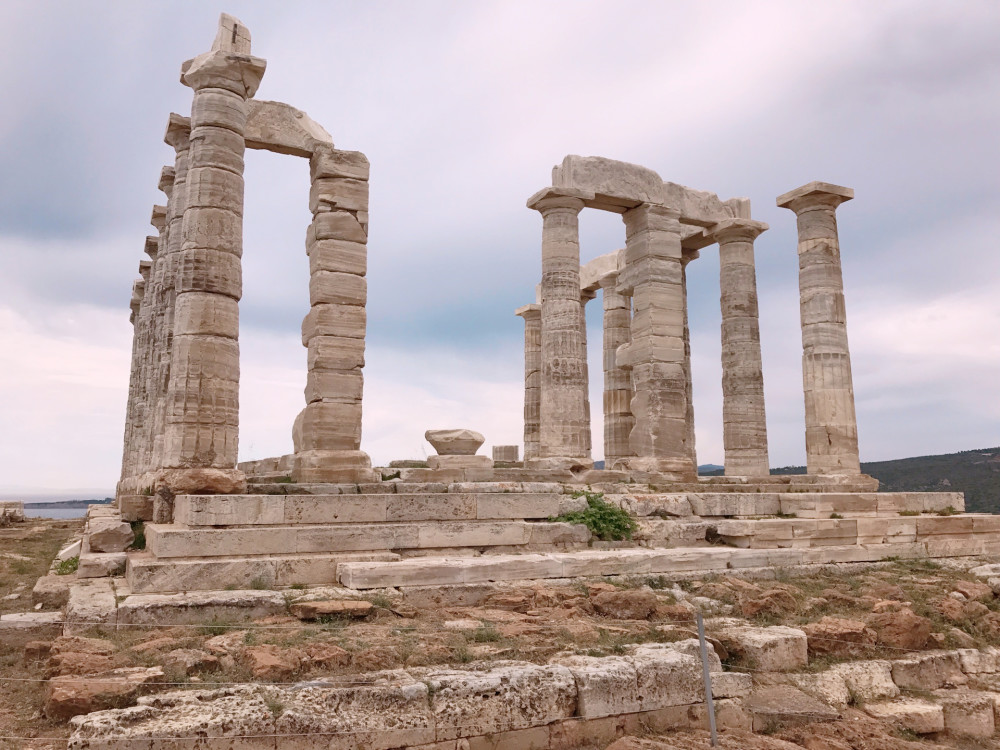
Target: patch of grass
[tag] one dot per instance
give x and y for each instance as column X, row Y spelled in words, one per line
column 835, row 515
column 284, row 480
column 606, row 522
column 215, row 627
column 379, row 600
column 486, row 633
column 949, row 511
column 463, row 654
column 786, row 515
column 260, row 583
column 139, row 531
column 66, row 567
column 275, row 706
column 391, row 475
column 909, row 512
column 297, row 586
column 23, row 567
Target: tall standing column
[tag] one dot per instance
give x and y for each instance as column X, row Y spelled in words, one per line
column 831, row 424
column 327, row 433
column 654, row 276
column 532, row 315
column 202, row 414
column 588, row 433
column 564, row 433
column 744, row 426
column 618, row 421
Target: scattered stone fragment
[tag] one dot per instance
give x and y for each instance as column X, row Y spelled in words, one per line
column 902, row 629
column 626, row 604
column 68, row 696
column 269, row 662
column 331, row 608
column 838, row 636
column 190, row 661
column 918, row 716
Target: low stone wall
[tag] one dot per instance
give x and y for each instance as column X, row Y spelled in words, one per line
column 572, row 702
column 11, row 511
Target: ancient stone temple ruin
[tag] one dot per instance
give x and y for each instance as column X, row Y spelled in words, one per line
column 323, row 515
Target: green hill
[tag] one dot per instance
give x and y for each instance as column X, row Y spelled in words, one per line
column 976, row 473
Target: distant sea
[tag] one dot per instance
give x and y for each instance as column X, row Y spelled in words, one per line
column 55, row 512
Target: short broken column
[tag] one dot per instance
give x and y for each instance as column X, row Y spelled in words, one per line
column 831, row 424
column 744, row 426
column 327, row 433
column 654, row 276
column 618, row 419
column 564, row 432
column 532, row 315
column 202, row 414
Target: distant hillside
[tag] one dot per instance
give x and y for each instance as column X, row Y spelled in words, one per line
column 976, row 473
column 69, row 503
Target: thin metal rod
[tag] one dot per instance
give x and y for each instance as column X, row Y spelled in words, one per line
column 708, row 680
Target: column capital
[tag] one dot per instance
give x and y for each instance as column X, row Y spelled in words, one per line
column 608, row 281
column 737, row 230
column 144, row 268
column 159, row 218
column 586, row 295
column 152, row 246
column 240, row 74
column 552, row 198
column 815, row 195
column 166, row 183
column 529, row 312
column 178, row 133
column 688, row 255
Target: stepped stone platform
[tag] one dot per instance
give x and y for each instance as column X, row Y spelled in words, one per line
column 404, row 533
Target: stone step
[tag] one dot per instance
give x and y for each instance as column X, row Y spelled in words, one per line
column 630, row 562
column 172, row 540
column 247, row 510
column 146, row 574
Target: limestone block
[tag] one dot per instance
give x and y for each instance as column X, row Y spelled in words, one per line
column 506, row 453
column 867, row 680
column 427, row 507
column 967, row 712
column 518, row 696
column 337, row 288
column 357, row 537
column 459, row 462
column 335, row 353
column 109, row 535
column 735, row 504
column 51, row 591
column 101, row 564
column 378, row 716
column 471, row 534
column 666, row 677
column 199, row 607
column 228, row 510
column 91, row 605
column 165, row 541
column 344, row 193
column 339, row 256
column 663, row 506
column 34, row 625
column 976, row 661
column 731, row 684
column 328, row 319
column 457, row 442
column 517, row 505
column 918, row 716
column 773, row 649
column 206, row 314
column 213, row 229
column 12, row 510
column 605, row 686
column 929, row 671
column 136, row 507
column 328, row 162
column 330, row 426
column 338, row 225
column 336, row 508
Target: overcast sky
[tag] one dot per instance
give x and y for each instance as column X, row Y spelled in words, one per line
column 463, row 108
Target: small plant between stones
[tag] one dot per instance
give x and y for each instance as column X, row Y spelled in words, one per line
column 67, row 567
column 607, row 522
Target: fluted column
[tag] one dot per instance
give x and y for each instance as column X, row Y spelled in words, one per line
column 327, row 433
column 588, row 433
column 564, row 426
column 532, row 315
column 202, row 414
column 831, row 424
column 618, row 419
column 744, row 426
column 654, row 276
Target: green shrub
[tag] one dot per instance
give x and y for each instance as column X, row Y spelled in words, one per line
column 139, row 531
column 607, row 522
column 67, row 567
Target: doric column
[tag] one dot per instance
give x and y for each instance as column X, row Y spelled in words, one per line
column 327, row 433
column 687, row 257
column 586, row 296
column 564, row 434
column 653, row 276
column 831, row 424
column 532, row 315
column 202, row 412
column 744, row 427
column 130, row 446
column 618, row 419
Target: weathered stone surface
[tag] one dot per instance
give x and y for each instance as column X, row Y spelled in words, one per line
column 457, row 442
column 91, row 605
column 270, row 662
column 918, row 716
column 51, row 591
column 314, row 610
column 967, row 712
column 190, row 661
column 39, row 625
column 902, row 629
column 68, row 696
column 774, row 649
column 627, row 604
column 775, row 705
column 605, row 686
column 929, row 671
column 836, row 635
column 101, row 564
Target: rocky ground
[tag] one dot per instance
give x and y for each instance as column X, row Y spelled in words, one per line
column 885, row 612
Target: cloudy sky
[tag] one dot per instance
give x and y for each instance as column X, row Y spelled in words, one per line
column 462, row 109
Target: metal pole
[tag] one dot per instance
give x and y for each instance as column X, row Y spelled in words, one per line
column 708, row 680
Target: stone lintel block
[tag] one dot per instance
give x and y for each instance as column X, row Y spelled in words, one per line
column 814, row 193
column 330, row 162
